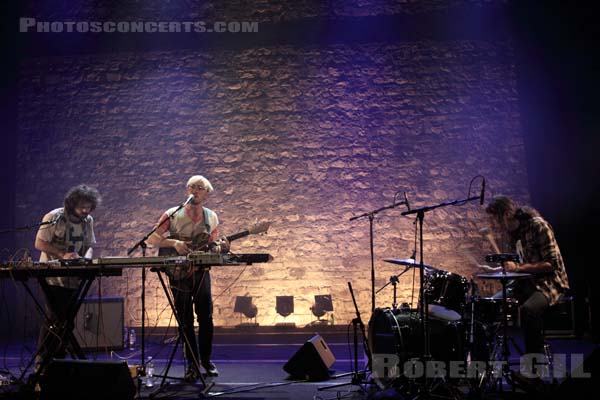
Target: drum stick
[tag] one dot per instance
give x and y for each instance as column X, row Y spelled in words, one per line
column 490, row 238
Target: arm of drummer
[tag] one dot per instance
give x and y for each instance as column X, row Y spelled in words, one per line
column 540, row 267
column 548, row 252
column 469, row 256
column 158, row 240
column 487, row 268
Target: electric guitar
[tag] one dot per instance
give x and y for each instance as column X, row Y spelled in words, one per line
column 200, row 243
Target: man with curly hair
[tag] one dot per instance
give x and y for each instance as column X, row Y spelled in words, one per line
column 68, row 233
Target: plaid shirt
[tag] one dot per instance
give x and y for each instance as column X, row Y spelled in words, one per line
column 539, row 244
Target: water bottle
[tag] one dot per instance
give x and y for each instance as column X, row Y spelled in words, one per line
column 332, row 321
column 125, row 337
column 149, row 373
column 132, row 339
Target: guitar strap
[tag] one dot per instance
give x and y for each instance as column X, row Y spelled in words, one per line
column 205, row 217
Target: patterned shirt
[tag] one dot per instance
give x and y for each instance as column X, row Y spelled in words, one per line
column 537, row 240
column 67, row 236
column 181, row 226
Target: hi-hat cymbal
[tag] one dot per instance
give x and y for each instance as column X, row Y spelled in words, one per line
column 409, row 262
column 504, row 275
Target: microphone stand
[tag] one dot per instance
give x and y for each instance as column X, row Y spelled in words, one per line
column 28, row 227
column 424, row 312
column 371, row 216
column 357, row 376
column 143, row 245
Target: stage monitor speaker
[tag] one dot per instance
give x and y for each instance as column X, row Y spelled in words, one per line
column 312, row 361
column 99, row 323
column 85, row 379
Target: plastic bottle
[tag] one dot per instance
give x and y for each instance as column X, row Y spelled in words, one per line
column 332, row 321
column 149, row 373
column 125, row 337
column 132, row 339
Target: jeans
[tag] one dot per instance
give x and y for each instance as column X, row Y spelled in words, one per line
column 57, row 300
column 194, row 295
column 533, row 305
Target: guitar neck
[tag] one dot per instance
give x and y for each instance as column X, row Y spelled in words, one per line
column 238, row 235
column 229, row 238
column 169, row 251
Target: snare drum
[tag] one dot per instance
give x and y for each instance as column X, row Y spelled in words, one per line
column 489, row 310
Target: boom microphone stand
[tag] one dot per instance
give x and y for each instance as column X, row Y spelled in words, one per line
column 371, row 215
column 424, row 312
column 143, row 245
column 28, row 227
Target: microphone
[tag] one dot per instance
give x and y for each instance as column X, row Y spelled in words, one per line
column 482, row 195
column 406, row 201
column 188, row 201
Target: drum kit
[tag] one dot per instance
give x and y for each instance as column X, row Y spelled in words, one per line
column 462, row 326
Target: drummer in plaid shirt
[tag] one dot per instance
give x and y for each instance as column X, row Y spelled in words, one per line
column 535, row 243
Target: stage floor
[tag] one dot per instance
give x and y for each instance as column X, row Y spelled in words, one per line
column 250, row 365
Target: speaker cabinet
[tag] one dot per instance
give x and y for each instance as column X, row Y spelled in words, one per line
column 99, row 323
column 559, row 320
column 85, row 379
column 312, row 361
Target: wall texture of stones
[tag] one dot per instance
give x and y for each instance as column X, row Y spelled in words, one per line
column 302, row 136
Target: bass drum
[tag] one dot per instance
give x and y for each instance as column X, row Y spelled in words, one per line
column 400, row 333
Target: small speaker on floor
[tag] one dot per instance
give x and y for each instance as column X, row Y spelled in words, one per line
column 99, row 323
column 85, row 379
column 312, row 361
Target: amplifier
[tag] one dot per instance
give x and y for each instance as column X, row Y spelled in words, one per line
column 99, row 323
column 559, row 320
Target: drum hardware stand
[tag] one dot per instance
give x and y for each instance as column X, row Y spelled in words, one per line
column 358, row 377
column 505, row 337
column 371, row 216
column 425, row 391
column 504, row 278
column 394, row 282
column 143, row 245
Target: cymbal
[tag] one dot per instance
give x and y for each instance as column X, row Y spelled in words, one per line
column 504, row 275
column 409, row 262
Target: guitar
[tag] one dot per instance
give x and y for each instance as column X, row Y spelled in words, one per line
column 200, row 243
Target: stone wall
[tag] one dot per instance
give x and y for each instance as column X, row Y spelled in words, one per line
column 303, row 136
